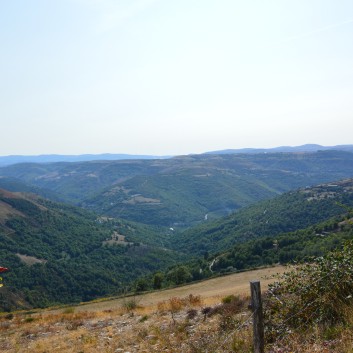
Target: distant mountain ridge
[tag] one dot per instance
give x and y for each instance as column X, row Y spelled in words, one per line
column 286, row 149
column 53, row 158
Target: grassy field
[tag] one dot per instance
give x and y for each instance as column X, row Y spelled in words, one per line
column 211, row 290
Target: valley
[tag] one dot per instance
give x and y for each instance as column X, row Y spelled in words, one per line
column 44, row 239
column 123, row 241
column 156, row 157
column 177, row 192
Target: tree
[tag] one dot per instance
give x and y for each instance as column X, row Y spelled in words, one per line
column 179, row 275
column 158, row 280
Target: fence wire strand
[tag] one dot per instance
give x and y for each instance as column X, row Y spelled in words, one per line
column 285, row 330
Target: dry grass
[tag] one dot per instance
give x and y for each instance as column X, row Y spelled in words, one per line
column 166, row 321
column 176, row 324
column 212, row 291
column 169, row 330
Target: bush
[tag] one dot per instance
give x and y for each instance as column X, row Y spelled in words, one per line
column 231, row 305
column 191, row 314
column 319, row 293
column 129, row 304
column 228, row 299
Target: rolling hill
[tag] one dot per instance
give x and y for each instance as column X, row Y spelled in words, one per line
column 288, row 212
column 295, row 226
column 182, row 191
column 62, row 254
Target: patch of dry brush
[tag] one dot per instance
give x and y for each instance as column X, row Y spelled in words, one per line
column 177, row 325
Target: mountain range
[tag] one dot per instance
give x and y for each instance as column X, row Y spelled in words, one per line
column 75, row 231
column 52, row 158
column 180, row 191
column 285, row 149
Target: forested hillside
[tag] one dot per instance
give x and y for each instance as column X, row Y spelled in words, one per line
column 286, row 213
column 182, row 191
column 284, row 248
column 60, row 254
column 295, row 226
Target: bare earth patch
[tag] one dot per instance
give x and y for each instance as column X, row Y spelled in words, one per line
column 30, row 260
column 141, row 199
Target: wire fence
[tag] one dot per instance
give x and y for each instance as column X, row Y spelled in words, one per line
column 294, row 318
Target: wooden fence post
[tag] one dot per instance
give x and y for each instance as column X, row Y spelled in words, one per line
column 258, row 324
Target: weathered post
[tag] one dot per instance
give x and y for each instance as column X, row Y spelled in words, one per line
column 258, row 324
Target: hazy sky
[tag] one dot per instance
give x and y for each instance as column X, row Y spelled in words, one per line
column 174, row 76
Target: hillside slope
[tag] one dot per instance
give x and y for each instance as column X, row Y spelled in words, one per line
column 58, row 253
column 286, row 213
column 183, row 191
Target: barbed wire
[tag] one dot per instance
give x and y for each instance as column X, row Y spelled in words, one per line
column 284, row 330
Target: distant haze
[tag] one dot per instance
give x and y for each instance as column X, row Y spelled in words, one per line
column 157, row 77
column 51, row 158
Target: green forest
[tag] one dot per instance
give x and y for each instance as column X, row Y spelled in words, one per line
column 170, row 228
column 72, row 260
column 179, row 192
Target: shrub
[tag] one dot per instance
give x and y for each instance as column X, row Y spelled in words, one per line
column 194, row 300
column 228, row 299
column 175, row 305
column 129, row 304
column 191, row 314
column 231, row 305
column 320, row 293
column 206, row 311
